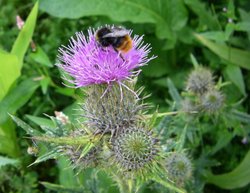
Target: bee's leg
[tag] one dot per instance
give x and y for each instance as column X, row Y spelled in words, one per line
column 120, row 54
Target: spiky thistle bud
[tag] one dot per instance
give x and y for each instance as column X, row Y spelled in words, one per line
column 179, row 167
column 199, row 81
column 109, row 109
column 134, row 149
column 212, row 101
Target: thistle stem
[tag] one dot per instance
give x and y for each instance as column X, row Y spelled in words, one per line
column 68, row 140
column 167, row 114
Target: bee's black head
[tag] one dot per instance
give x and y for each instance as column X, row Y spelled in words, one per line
column 105, row 42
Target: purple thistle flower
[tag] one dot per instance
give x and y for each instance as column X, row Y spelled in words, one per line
column 90, row 63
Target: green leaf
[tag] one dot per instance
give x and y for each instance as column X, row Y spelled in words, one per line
column 245, row 16
column 236, row 56
column 237, row 178
column 205, row 16
column 194, row 61
column 16, row 98
column 23, row 40
column 60, row 188
column 218, row 36
column 12, row 62
column 235, row 75
column 29, row 130
column 67, row 176
column 174, row 92
column 45, row 84
column 8, row 143
column 167, row 16
column 168, row 184
column 222, row 141
column 240, row 116
column 243, row 26
column 5, row 161
column 41, row 121
column 9, row 72
column 65, row 91
column 41, row 57
column 53, row 154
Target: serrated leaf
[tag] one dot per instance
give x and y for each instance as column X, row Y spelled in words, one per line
column 237, row 178
column 29, row 130
column 167, row 16
column 6, row 161
column 49, row 155
column 235, row 56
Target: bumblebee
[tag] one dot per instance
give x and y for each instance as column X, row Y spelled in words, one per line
column 117, row 37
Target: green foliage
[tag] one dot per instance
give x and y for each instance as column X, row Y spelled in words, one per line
column 215, row 34
column 237, row 178
column 168, row 16
column 233, row 55
column 13, row 61
column 15, row 98
column 5, row 161
column 9, row 71
column 24, row 37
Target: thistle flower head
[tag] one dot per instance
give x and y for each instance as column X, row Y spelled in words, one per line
column 134, row 148
column 212, row 101
column 179, row 167
column 89, row 63
column 199, row 81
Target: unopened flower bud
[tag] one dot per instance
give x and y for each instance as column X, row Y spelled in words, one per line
column 199, row 81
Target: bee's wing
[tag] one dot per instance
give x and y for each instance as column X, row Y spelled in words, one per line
column 116, row 34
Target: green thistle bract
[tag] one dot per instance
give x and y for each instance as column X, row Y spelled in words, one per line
column 199, row 81
column 179, row 167
column 134, row 148
column 109, row 109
